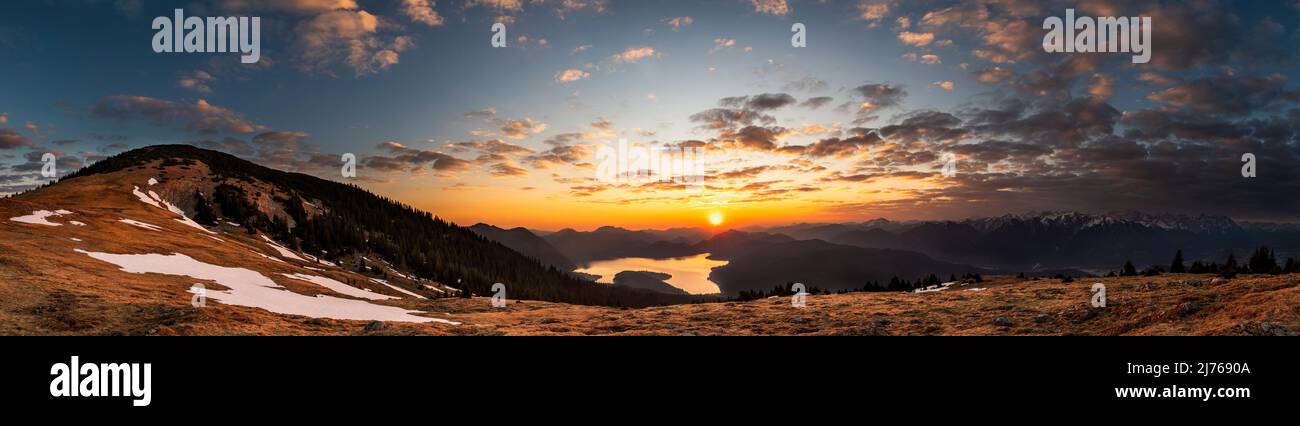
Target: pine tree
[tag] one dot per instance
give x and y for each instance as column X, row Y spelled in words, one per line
column 1177, row 266
column 1263, row 261
column 1129, row 270
column 1229, row 268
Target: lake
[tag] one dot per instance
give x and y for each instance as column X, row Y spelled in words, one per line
column 689, row 273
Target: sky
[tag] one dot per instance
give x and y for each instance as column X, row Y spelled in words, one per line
column 856, row 125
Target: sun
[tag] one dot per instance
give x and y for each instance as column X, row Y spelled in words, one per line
column 716, row 218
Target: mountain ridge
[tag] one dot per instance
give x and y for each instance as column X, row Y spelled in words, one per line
column 334, row 220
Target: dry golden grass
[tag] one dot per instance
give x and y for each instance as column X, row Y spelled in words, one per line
column 46, row 288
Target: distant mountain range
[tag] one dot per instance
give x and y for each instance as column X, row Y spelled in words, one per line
column 846, row 255
column 1061, row 239
column 613, row 243
column 526, row 243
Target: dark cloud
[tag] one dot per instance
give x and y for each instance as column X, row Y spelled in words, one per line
column 837, row 147
column 882, row 95
column 576, row 155
column 9, row 139
column 413, row 160
column 506, row 170
column 817, row 102
column 762, row 102
column 753, row 138
column 726, row 118
column 494, row 146
column 201, row 116
column 871, row 98
column 1229, row 94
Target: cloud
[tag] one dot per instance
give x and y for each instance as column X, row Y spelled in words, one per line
column 482, row 114
column 9, row 139
column 201, row 116
column 721, row 118
column 422, row 11
column 679, row 22
column 881, row 95
column 494, row 146
column 332, row 33
column 873, row 11
column 500, row 5
column 402, row 158
column 837, row 147
column 564, row 7
column 754, row 138
column 915, row 39
column 571, row 75
column 507, row 170
column 1228, row 94
column 722, row 43
column 633, row 55
column 993, row 75
column 817, row 102
column 291, row 6
column 874, row 97
column 281, row 149
column 763, row 102
column 745, row 173
column 198, row 81
column 945, row 85
column 348, row 37
column 520, row 129
column 771, row 7
column 35, row 130
column 561, row 154
column 1101, row 87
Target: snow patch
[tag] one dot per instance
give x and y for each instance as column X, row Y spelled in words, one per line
column 272, row 258
column 75, row 223
column 153, row 199
column 397, row 288
column 339, row 287
column 284, row 252
column 252, row 289
column 935, row 288
column 144, row 198
column 140, row 224
column 153, row 181
column 39, row 217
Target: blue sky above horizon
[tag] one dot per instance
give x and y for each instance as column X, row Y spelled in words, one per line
column 445, row 122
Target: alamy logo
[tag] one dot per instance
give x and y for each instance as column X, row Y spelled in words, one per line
column 639, row 163
column 800, row 297
column 1098, row 295
column 102, row 380
column 213, row 35
column 1105, row 34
